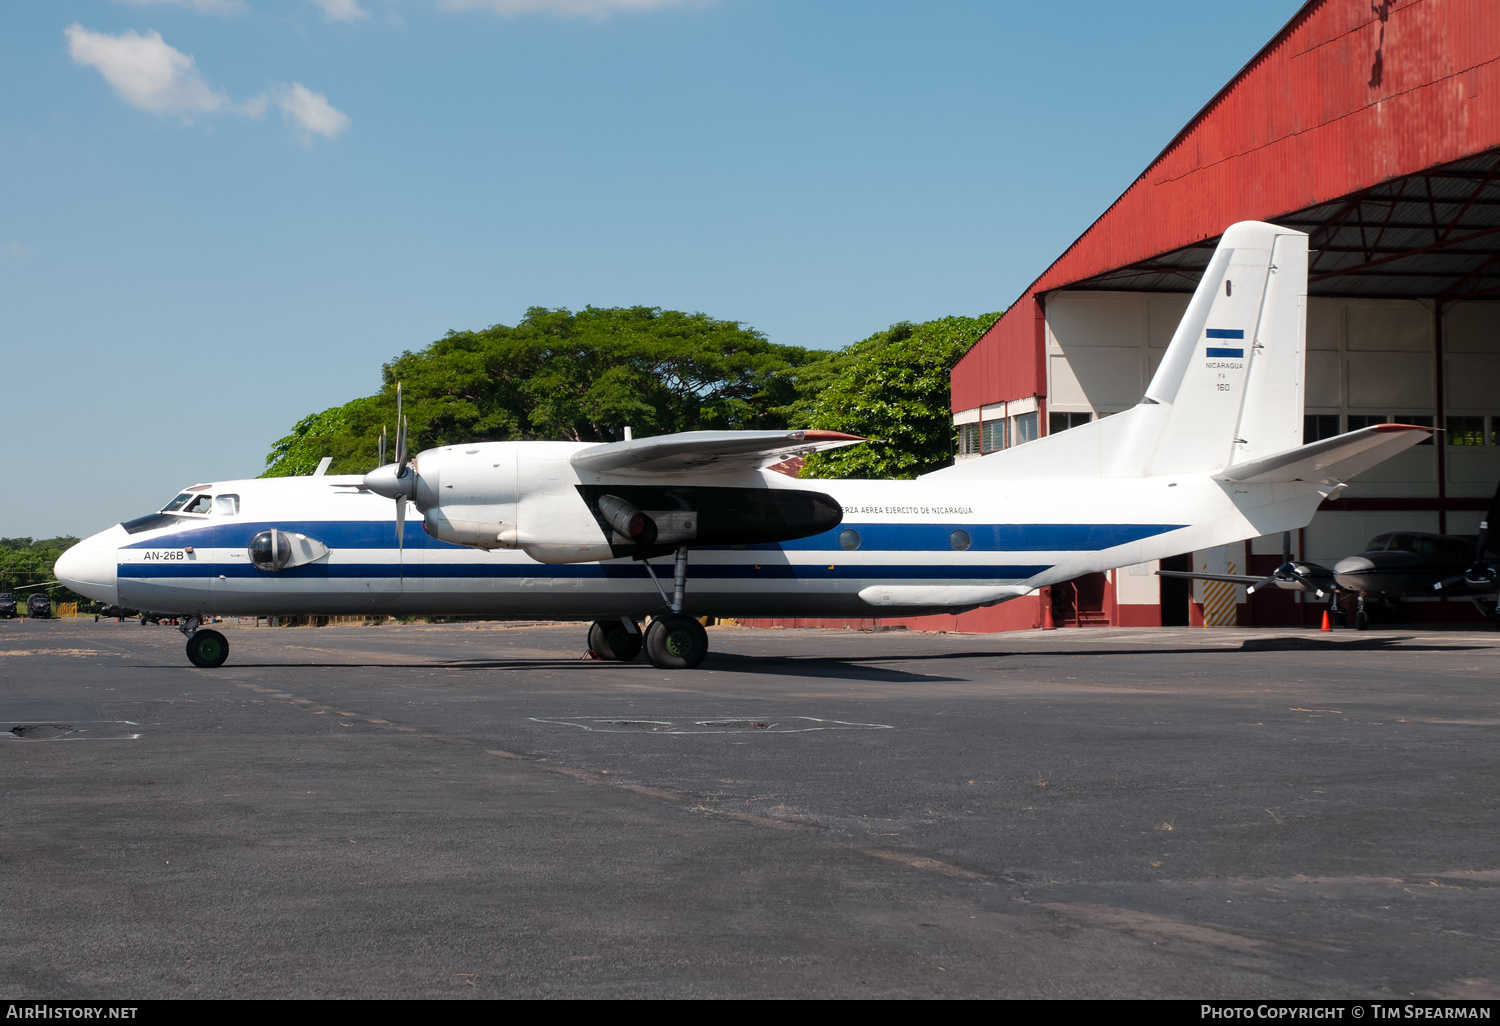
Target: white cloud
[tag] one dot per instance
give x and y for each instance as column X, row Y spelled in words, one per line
column 151, row 75
column 341, row 10
column 596, row 9
column 201, row 6
column 145, row 71
column 309, row 112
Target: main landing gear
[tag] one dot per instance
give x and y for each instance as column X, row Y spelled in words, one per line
column 673, row 641
column 206, row 649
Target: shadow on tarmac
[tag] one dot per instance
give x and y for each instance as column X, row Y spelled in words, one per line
column 859, row 669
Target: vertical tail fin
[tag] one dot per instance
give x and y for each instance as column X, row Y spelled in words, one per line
column 1228, row 389
column 1230, row 383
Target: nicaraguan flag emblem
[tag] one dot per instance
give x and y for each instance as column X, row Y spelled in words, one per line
column 1227, row 352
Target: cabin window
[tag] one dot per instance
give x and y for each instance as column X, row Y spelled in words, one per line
column 177, row 503
column 849, row 539
column 226, row 505
column 960, row 540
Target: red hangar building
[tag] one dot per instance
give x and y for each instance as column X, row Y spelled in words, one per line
column 1375, row 128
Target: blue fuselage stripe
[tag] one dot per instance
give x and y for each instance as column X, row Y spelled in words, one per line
column 378, row 534
column 588, row 571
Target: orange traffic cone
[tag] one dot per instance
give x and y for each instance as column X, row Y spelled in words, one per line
column 1327, row 622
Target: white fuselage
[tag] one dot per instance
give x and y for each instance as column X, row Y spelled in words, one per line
column 922, row 546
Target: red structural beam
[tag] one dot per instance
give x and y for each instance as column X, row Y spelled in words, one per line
column 1348, row 95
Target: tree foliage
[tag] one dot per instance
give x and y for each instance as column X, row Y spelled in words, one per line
column 584, row 376
column 561, row 375
column 24, row 562
column 892, row 388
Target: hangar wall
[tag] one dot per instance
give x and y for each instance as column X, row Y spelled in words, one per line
column 1368, row 360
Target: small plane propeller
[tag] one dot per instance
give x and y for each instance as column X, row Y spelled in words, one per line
column 1481, row 574
column 1287, row 571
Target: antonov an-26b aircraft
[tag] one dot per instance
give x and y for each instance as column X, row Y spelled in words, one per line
column 691, row 524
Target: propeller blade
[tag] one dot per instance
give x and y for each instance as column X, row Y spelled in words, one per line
column 1484, row 527
column 400, row 432
column 1261, row 584
column 381, row 461
column 1450, row 582
column 1286, row 547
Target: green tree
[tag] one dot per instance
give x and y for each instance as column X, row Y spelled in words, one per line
column 577, row 376
column 893, row 389
column 26, row 562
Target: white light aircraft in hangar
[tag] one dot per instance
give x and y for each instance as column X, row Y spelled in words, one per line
column 695, row 523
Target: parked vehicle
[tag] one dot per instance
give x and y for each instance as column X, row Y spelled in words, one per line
column 39, row 605
column 8, row 606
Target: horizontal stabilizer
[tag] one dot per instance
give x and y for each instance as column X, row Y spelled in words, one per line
column 706, row 452
column 1330, row 461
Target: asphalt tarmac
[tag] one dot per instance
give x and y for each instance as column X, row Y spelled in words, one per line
column 474, row 811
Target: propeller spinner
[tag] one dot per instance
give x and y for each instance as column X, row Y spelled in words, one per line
column 1287, row 571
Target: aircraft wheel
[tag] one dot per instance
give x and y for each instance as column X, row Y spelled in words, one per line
column 207, row 649
column 610, row 640
column 676, row 642
column 1361, row 621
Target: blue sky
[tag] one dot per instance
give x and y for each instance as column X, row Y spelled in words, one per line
column 222, row 215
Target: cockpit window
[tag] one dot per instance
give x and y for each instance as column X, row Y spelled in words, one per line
column 1402, row 543
column 226, row 505
column 1378, row 543
column 200, row 504
column 177, row 503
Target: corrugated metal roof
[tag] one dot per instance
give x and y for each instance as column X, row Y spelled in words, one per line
column 1355, row 115
column 1432, row 235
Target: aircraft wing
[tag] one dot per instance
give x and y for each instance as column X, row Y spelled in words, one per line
column 1331, row 460
column 706, row 452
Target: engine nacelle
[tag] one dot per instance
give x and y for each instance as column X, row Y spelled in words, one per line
column 481, row 533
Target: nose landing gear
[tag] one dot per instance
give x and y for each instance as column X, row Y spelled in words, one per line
column 205, row 649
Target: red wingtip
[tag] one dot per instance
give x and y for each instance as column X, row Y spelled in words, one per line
column 827, row 436
column 1400, row 427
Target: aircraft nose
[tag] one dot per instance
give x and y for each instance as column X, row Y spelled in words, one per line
column 89, row 567
column 1353, row 565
